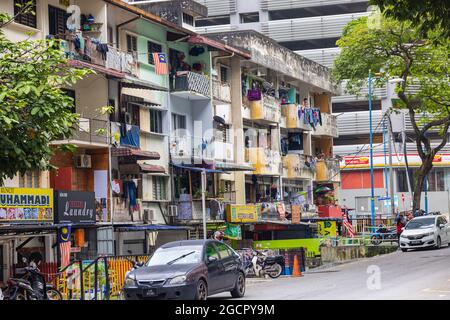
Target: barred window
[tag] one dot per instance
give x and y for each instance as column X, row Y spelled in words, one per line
column 159, row 188
column 131, row 43
column 29, row 17
column 29, row 180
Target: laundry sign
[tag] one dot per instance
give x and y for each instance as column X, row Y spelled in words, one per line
column 74, row 207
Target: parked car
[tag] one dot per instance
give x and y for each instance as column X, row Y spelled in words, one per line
column 425, row 231
column 189, row 269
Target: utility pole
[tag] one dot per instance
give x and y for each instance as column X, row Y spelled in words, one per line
column 391, row 173
column 372, row 191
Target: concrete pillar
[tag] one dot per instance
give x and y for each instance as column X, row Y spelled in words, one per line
column 238, row 127
column 49, row 252
column 307, row 143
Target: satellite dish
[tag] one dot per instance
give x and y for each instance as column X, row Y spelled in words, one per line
column 219, row 119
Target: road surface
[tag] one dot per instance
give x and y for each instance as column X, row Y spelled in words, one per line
column 421, row 274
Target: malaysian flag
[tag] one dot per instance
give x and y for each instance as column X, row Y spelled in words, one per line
column 160, row 61
column 64, row 245
column 348, row 225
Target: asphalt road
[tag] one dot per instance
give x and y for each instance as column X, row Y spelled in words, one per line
column 419, row 275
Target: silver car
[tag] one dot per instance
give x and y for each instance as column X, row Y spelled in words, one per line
column 425, row 231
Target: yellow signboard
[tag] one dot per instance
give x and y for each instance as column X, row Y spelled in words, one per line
column 243, row 213
column 326, row 228
column 26, row 205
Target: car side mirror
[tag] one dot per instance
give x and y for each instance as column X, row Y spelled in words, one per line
column 212, row 259
column 441, row 226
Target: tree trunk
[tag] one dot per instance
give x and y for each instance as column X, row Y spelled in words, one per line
column 424, row 169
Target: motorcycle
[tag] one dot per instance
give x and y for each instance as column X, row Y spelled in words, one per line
column 259, row 264
column 383, row 234
column 31, row 287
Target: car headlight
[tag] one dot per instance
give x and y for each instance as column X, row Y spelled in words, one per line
column 130, row 282
column 403, row 236
column 178, row 280
column 428, row 234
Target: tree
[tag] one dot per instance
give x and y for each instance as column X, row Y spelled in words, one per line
column 397, row 49
column 427, row 14
column 34, row 110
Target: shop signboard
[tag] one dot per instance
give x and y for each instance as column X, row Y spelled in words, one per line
column 233, row 231
column 326, row 228
column 74, row 207
column 296, row 215
column 26, row 205
column 243, row 213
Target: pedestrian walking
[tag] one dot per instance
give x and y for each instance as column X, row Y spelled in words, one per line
column 400, row 226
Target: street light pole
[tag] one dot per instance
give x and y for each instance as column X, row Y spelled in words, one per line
column 372, row 192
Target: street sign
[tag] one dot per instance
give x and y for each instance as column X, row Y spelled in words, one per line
column 326, row 228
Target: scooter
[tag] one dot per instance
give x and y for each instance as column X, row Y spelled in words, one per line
column 31, row 287
column 261, row 264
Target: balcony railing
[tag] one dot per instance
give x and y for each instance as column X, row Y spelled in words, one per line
column 221, row 91
column 114, row 58
column 268, row 109
column 329, row 126
column 328, row 170
column 183, row 148
column 191, row 82
column 264, row 160
column 125, row 135
column 290, row 111
column 90, row 131
column 294, row 167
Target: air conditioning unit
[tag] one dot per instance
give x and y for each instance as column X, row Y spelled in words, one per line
column 83, row 161
column 173, row 211
column 149, row 215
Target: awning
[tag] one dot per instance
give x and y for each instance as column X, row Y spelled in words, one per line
column 198, row 39
column 136, row 153
column 198, row 169
column 100, row 69
column 149, row 227
column 136, row 168
column 230, row 166
column 133, row 82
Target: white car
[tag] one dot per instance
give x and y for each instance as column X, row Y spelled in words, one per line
column 425, row 231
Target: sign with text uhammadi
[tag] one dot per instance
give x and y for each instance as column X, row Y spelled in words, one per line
column 22, row 205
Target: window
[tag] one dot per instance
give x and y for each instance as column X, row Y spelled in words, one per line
column 188, row 19
column 224, row 76
column 28, row 18
column 211, row 251
column 152, row 48
column 131, row 43
column 159, row 188
column 178, row 122
column 71, row 93
column 155, row 121
column 29, row 180
column 213, row 21
column 224, row 252
column 57, row 20
column 249, row 17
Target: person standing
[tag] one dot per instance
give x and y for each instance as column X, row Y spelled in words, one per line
column 400, row 226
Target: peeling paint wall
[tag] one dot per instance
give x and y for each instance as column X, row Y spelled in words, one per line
column 270, row 54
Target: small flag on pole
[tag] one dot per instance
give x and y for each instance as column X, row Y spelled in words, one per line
column 160, row 61
column 64, row 245
column 348, row 226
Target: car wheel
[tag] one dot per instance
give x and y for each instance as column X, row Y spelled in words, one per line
column 438, row 242
column 239, row 288
column 404, row 250
column 54, row 294
column 375, row 240
column 202, row 290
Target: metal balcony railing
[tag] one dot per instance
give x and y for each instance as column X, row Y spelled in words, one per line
column 91, row 130
column 128, row 135
column 192, row 82
column 329, row 126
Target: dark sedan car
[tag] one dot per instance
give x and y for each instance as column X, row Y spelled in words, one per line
column 190, row 269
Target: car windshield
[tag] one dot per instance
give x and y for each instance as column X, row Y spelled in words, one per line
column 420, row 223
column 162, row 256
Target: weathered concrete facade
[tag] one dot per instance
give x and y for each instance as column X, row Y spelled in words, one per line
column 268, row 53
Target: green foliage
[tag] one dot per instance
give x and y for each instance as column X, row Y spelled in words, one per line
column 33, row 109
column 428, row 15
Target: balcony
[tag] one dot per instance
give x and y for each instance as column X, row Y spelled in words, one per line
column 190, row 85
column 290, row 111
column 265, row 161
column 329, row 126
column 125, row 136
column 328, row 170
column 89, row 132
column 186, row 148
column 268, row 109
column 221, row 91
column 294, row 167
column 113, row 59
